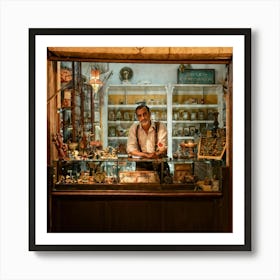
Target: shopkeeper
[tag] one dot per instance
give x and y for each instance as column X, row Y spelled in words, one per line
column 147, row 139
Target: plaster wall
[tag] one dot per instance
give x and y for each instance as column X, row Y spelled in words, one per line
column 153, row 73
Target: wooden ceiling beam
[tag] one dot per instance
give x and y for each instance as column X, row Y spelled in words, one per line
column 141, row 54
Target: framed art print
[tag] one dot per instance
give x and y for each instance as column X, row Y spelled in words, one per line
column 96, row 182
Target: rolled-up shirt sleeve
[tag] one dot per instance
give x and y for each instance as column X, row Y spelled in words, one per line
column 132, row 141
column 162, row 137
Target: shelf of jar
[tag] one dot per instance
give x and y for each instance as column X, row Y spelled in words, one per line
column 130, row 122
column 193, row 122
column 121, row 121
column 138, row 86
column 206, row 86
column 133, row 106
column 196, row 106
column 85, row 123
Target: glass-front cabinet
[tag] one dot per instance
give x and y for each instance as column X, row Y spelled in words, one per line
column 119, row 111
column 188, row 111
column 196, row 111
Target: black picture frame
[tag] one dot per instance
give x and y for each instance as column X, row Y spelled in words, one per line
column 34, row 33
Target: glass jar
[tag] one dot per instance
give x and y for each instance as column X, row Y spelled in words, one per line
column 175, row 131
column 156, row 115
column 119, row 116
column 201, row 115
column 112, row 131
column 111, row 116
column 210, row 115
column 175, row 116
column 186, row 131
column 163, row 116
column 185, row 115
column 126, row 116
column 193, row 116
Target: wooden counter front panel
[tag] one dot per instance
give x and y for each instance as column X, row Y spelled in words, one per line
column 135, row 214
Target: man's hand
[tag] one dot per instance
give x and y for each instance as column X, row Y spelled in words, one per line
column 152, row 155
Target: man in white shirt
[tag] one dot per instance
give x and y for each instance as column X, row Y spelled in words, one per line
column 147, row 139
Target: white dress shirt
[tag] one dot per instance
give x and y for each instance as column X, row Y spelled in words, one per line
column 147, row 141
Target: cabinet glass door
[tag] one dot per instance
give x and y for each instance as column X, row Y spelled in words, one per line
column 193, row 112
column 122, row 101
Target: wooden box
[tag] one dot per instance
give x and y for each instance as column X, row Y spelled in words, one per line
column 138, row 177
column 181, row 170
column 211, row 148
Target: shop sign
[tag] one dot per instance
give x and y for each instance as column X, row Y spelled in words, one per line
column 196, row 76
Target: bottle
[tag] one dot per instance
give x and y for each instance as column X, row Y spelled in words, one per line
column 201, row 115
column 185, row 115
column 163, row 116
column 118, row 116
column 175, row 115
column 111, row 116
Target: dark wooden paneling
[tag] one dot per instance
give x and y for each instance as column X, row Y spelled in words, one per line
column 135, row 215
column 191, row 215
column 103, row 214
column 73, row 214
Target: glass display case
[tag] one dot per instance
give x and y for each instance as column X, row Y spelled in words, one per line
column 123, row 172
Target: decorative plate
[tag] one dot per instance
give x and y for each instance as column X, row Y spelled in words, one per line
column 126, row 74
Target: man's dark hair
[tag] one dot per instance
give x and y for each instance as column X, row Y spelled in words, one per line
column 142, row 106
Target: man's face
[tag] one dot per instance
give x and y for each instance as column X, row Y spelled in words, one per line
column 143, row 116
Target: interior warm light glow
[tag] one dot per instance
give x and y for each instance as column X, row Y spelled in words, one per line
column 95, row 80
